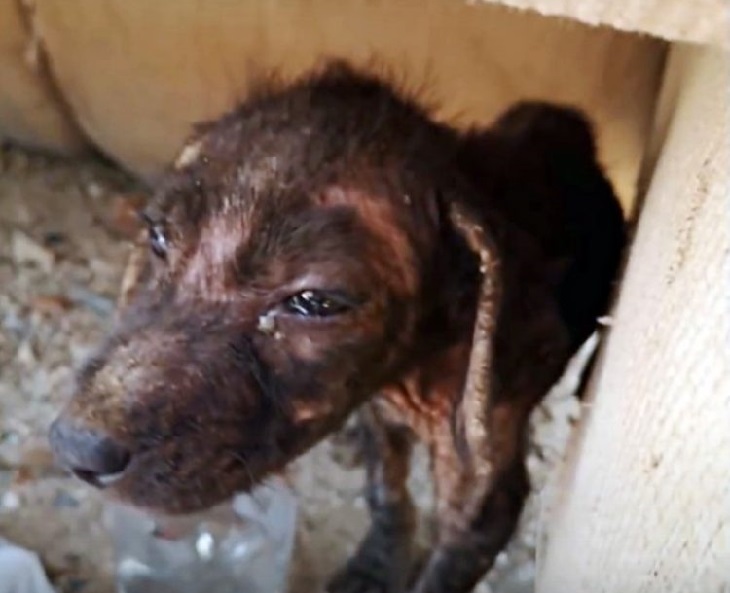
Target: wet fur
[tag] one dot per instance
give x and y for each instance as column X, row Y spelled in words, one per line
column 341, row 181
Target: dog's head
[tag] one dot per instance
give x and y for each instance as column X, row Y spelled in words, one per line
column 298, row 257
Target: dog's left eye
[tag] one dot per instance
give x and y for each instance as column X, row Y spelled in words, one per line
column 156, row 235
column 314, row 303
column 158, row 241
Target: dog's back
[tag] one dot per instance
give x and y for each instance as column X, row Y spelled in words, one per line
column 546, row 180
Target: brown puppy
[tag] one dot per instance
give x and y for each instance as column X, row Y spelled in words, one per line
column 325, row 246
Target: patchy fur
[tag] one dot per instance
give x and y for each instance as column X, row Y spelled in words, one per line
column 337, row 184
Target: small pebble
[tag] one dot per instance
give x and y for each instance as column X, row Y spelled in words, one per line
column 51, row 304
column 53, row 238
column 27, row 250
column 9, row 501
column 26, row 355
column 100, row 305
column 12, row 322
column 64, row 500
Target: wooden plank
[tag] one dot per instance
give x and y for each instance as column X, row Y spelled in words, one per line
column 644, row 504
column 137, row 74
column 697, row 21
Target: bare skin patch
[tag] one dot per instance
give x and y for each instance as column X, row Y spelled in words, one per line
column 219, row 372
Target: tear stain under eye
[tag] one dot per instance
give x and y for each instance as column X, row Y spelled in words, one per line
column 267, row 323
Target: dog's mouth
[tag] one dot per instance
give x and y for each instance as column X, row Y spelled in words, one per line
column 148, row 484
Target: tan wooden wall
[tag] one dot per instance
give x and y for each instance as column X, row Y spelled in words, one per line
column 644, row 503
column 697, row 21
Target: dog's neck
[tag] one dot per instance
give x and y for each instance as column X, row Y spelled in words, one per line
column 439, row 356
column 423, row 396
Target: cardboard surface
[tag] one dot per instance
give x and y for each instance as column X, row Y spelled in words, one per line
column 30, row 112
column 645, row 504
column 137, row 74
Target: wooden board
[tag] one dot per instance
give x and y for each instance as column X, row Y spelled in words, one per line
column 136, row 74
column 644, row 505
column 697, row 21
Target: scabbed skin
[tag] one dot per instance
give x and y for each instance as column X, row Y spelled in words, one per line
column 340, row 183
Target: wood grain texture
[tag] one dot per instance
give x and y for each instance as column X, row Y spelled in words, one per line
column 137, row 74
column 644, row 505
column 697, row 21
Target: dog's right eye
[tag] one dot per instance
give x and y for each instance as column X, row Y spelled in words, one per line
column 316, row 303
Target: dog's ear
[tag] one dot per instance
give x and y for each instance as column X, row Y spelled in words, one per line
column 471, row 413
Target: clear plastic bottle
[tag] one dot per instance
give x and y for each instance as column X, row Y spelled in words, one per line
column 244, row 546
column 21, row 570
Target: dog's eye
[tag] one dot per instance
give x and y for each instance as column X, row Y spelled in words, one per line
column 314, row 303
column 158, row 241
column 156, row 236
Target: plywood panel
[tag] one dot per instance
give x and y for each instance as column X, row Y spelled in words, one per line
column 137, row 74
column 645, row 505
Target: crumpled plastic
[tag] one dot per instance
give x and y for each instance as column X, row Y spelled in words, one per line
column 21, row 570
column 243, row 546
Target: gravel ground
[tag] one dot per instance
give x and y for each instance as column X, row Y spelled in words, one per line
column 62, row 252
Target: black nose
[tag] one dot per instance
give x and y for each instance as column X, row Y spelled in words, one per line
column 88, row 453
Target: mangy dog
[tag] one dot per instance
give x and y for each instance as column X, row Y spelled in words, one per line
column 326, row 247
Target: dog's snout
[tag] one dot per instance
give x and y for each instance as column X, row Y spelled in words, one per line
column 90, row 454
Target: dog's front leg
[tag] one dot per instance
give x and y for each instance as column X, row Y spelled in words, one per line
column 477, row 507
column 380, row 564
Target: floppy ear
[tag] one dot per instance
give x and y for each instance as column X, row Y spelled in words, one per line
column 471, row 413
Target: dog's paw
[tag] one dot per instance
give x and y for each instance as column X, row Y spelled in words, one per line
column 382, row 564
column 352, row 579
column 356, row 577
